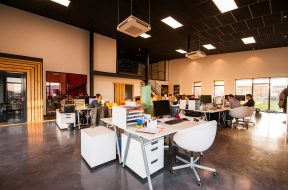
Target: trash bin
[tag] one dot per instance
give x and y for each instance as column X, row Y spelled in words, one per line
column 70, row 126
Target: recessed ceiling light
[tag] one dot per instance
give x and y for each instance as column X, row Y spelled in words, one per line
column 249, row 40
column 181, row 51
column 285, row 16
column 172, row 22
column 62, row 2
column 226, row 5
column 209, row 46
column 144, row 35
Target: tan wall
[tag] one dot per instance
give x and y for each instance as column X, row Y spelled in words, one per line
column 105, row 51
column 105, row 86
column 228, row 67
column 64, row 48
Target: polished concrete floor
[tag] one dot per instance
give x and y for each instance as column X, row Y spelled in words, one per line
column 40, row 156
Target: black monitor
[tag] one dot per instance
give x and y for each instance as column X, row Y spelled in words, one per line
column 206, row 99
column 240, row 97
column 161, row 107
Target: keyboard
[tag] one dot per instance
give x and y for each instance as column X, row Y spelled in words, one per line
column 174, row 121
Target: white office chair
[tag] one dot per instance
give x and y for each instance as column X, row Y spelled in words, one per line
column 196, row 139
column 240, row 114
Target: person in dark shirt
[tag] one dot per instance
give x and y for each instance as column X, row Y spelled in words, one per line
column 97, row 102
column 250, row 102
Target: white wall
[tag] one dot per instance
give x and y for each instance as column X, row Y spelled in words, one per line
column 105, row 52
column 105, row 86
column 64, row 48
column 228, row 67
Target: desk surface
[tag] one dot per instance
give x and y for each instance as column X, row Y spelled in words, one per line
column 210, row 110
column 168, row 129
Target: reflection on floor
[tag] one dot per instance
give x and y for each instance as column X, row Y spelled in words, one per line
column 40, row 156
column 10, row 117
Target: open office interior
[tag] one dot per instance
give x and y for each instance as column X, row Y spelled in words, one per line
column 143, row 94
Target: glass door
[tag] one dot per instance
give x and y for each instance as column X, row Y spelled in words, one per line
column 12, row 97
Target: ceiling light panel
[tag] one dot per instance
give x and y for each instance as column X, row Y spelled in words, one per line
column 181, row 51
column 225, row 5
column 208, row 46
column 62, row 2
column 172, row 22
column 249, row 40
column 144, row 35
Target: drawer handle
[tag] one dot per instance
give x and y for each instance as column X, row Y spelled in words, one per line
column 155, row 142
column 154, row 161
column 153, row 149
column 68, row 117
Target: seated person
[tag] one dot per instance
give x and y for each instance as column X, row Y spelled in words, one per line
column 233, row 103
column 97, row 102
column 67, row 100
column 250, row 102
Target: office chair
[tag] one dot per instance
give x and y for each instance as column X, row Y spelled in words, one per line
column 240, row 114
column 195, row 139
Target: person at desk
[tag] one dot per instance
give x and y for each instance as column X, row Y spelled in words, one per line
column 68, row 100
column 283, row 99
column 97, row 102
column 250, row 102
column 233, row 103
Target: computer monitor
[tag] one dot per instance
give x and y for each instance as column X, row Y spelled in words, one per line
column 161, row 107
column 240, row 97
column 206, row 99
column 91, row 100
column 218, row 100
column 183, row 104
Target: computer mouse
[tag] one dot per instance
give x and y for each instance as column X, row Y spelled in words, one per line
column 196, row 119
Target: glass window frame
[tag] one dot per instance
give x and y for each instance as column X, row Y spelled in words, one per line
column 219, row 85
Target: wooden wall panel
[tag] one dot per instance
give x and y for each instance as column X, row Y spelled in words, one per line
column 34, row 86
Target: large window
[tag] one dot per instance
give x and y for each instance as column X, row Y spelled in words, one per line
column 276, row 86
column 218, row 88
column 243, row 86
column 197, row 88
column 60, row 85
column 265, row 91
column 261, row 93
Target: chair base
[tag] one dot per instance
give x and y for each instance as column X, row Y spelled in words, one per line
column 193, row 164
column 242, row 124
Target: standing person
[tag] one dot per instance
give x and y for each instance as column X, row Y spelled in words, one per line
column 233, row 103
column 283, row 99
column 250, row 102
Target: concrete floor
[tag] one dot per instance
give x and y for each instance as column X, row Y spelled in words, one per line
column 40, row 156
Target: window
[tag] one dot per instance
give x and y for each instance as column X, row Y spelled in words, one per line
column 261, row 93
column 265, row 91
column 243, row 87
column 276, row 87
column 60, row 85
column 197, row 88
column 218, row 88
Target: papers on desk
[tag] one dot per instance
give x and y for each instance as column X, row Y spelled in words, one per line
column 151, row 130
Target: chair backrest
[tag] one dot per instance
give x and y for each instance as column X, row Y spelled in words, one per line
column 240, row 112
column 198, row 138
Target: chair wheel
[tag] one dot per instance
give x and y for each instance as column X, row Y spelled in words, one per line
column 172, row 172
column 215, row 173
column 199, row 183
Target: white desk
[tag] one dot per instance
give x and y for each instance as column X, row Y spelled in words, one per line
column 221, row 113
column 131, row 130
column 62, row 119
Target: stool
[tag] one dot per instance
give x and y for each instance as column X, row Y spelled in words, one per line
column 98, row 145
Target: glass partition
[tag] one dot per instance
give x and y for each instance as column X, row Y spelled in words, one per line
column 61, row 85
